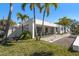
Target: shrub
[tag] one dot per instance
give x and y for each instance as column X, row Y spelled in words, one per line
column 75, row 31
column 27, row 35
column 2, row 34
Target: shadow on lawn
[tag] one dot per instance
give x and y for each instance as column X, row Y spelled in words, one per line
column 8, row 44
column 43, row 53
column 71, row 50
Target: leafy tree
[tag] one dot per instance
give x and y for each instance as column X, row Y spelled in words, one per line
column 3, row 23
column 12, row 23
column 74, row 27
column 66, row 22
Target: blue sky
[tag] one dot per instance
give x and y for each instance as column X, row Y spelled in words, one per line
column 70, row 10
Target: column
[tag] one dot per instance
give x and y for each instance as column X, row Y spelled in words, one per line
column 60, row 29
column 54, row 30
column 33, row 31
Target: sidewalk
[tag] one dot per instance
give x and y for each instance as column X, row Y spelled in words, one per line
column 55, row 37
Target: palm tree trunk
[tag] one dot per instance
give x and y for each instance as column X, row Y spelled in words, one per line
column 22, row 26
column 42, row 27
column 7, row 24
column 35, row 25
column 34, row 21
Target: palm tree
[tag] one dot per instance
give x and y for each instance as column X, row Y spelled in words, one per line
column 32, row 7
column 7, row 24
column 46, row 8
column 22, row 18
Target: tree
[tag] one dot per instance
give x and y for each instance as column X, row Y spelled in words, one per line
column 66, row 22
column 74, row 27
column 4, row 21
column 46, row 8
column 12, row 23
column 22, row 18
column 32, row 7
column 7, row 24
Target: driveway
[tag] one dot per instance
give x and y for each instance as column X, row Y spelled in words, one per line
column 55, row 37
column 67, row 41
column 64, row 40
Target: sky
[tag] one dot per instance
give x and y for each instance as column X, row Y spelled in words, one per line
column 71, row 10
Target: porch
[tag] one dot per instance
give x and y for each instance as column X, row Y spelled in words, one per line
column 47, row 30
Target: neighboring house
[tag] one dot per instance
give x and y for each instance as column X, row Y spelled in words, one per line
column 49, row 28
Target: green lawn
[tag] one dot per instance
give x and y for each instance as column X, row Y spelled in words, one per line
column 32, row 47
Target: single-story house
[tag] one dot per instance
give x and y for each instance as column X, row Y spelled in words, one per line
column 49, row 28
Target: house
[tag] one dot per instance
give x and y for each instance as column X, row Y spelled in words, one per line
column 49, row 28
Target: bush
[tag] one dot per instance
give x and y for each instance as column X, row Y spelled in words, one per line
column 1, row 36
column 27, row 35
column 2, row 33
column 75, row 31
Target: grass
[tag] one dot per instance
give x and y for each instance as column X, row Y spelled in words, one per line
column 33, row 48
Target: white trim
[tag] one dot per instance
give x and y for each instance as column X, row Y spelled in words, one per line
column 39, row 22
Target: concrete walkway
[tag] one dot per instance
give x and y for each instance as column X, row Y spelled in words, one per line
column 55, row 37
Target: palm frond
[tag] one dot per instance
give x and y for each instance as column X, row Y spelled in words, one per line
column 38, row 5
column 31, row 6
column 41, row 8
column 55, row 5
column 19, row 16
column 23, row 6
column 25, row 17
column 47, row 10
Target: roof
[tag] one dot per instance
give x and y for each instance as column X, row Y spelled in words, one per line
column 39, row 22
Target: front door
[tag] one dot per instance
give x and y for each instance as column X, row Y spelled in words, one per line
column 46, row 31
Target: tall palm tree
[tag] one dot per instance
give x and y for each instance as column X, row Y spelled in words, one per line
column 22, row 18
column 46, row 8
column 32, row 7
column 8, row 24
